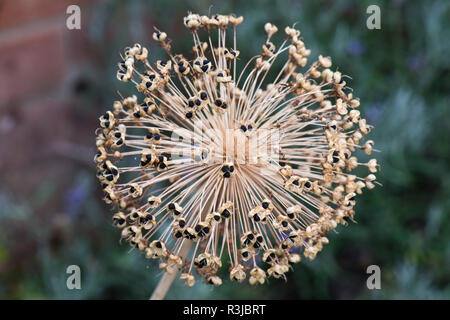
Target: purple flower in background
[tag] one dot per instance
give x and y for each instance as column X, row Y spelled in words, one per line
column 414, row 63
column 356, row 48
column 373, row 113
column 73, row 199
column 399, row 2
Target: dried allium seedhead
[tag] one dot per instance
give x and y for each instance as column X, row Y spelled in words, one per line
column 223, row 160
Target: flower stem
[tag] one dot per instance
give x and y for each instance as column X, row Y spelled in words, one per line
column 166, row 281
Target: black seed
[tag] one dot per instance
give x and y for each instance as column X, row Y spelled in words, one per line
column 218, row 103
column 182, row 69
column 250, row 237
column 335, row 154
column 284, row 224
column 335, row 159
column 107, row 123
column 110, row 178
column 245, row 254
column 119, row 142
column 295, row 182
column 106, row 116
column 224, row 168
column 115, row 172
column 204, row 68
column 189, row 115
column 198, row 102
column 220, row 74
column 148, row 157
column 191, row 103
column 198, row 228
column 158, row 245
column 290, row 215
column 148, row 84
column 205, row 61
column 225, row 213
column 227, row 175
column 224, row 106
column 259, row 239
column 182, row 223
column 231, row 168
column 203, row 96
column 308, row 184
column 137, row 114
column 178, row 234
column 180, row 64
column 217, row 218
column 243, row 128
column 197, row 63
column 256, row 245
column 162, row 165
column 117, row 134
column 206, row 229
column 284, row 246
column 171, row 206
column 265, row 205
column 256, row 218
column 157, row 136
column 149, row 135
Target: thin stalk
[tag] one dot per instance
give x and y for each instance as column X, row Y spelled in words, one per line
column 166, row 281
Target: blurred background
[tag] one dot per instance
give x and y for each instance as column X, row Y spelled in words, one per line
column 55, row 82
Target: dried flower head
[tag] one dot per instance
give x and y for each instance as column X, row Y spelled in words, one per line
column 247, row 170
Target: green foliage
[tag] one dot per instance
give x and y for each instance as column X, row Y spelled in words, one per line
column 400, row 73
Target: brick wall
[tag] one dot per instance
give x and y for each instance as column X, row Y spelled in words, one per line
column 39, row 110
